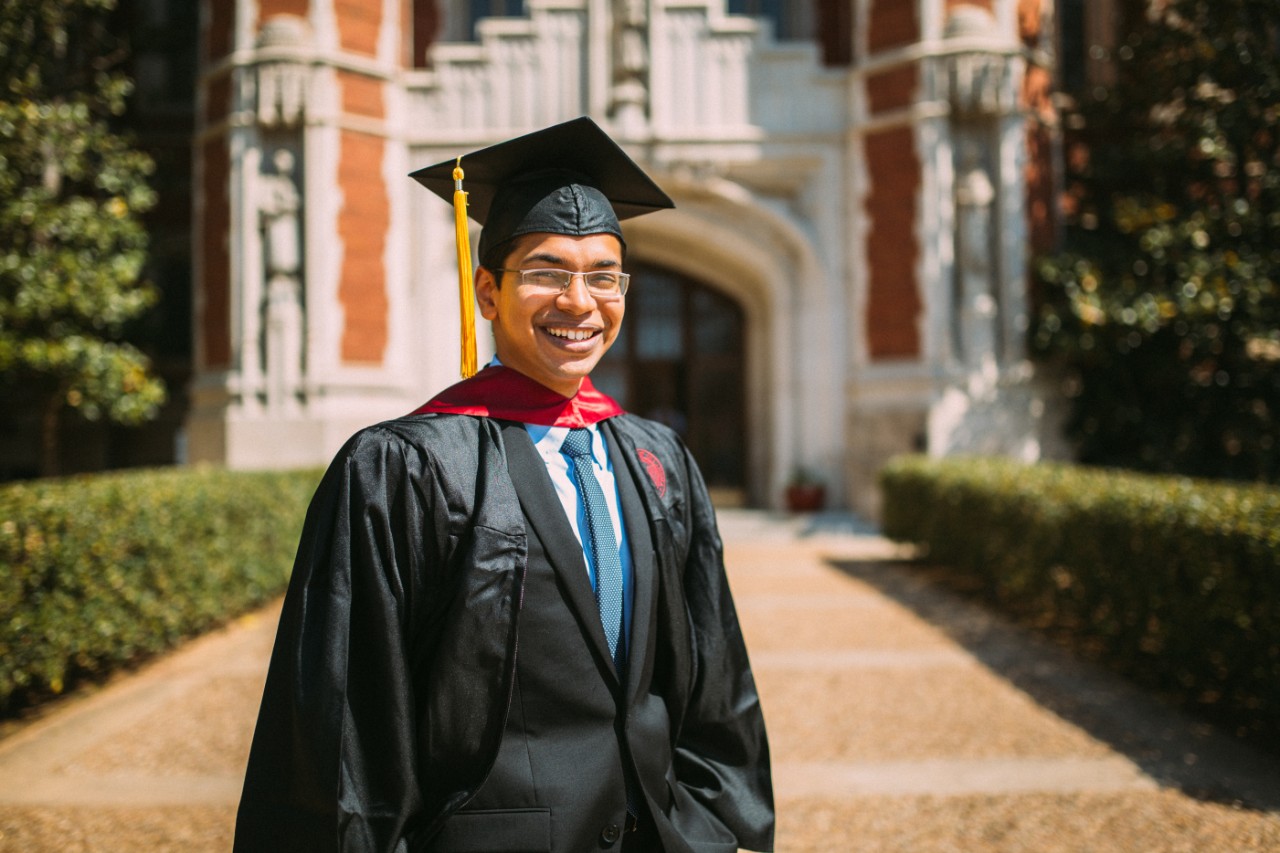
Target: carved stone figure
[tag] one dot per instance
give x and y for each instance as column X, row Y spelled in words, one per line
column 283, row 83
column 975, row 271
column 630, row 92
column 282, row 261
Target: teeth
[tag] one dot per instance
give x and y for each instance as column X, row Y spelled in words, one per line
column 572, row 334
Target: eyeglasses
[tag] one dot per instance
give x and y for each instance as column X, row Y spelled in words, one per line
column 604, row 285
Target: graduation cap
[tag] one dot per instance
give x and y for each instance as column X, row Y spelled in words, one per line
column 570, row 178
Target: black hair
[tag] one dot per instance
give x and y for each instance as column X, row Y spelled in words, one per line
column 495, row 257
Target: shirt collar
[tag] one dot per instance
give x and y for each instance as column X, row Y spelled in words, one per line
column 547, row 439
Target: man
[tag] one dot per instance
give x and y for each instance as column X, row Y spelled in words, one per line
column 508, row 627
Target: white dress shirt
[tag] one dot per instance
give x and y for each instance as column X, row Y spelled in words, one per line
column 547, row 441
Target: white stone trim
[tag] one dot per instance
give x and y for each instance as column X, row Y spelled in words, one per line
column 723, row 235
column 921, row 51
column 390, row 49
column 315, row 55
column 935, row 223
column 322, row 147
column 246, row 23
column 763, row 149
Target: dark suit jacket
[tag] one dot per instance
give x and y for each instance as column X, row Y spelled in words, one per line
column 391, row 684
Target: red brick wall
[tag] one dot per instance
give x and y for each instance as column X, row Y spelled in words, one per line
column 217, row 105
column 1039, row 177
column 985, row 4
column 835, row 31
column 361, row 95
column 893, row 89
column 366, row 208
column 893, row 303
column 1036, row 97
column 220, row 31
column 893, row 299
column 362, row 225
column 268, row 8
column 362, row 228
column 213, row 214
column 213, row 224
column 426, row 23
column 892, row 23
column 359, row 22
column 1029, row 21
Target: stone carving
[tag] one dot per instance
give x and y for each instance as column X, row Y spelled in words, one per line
column 629, row 97
column 979, row 72
column 284, row 330
column 975, row 272
column 281, row 204
column 284, row 77
column 980, row 93
column 980, row 84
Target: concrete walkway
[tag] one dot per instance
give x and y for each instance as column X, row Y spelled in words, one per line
column 901, row 719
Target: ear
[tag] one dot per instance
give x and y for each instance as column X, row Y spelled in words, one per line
column 487, row 293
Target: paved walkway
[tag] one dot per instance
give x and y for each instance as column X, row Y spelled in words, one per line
column 900, row 718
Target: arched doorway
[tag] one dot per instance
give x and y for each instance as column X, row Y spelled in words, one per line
column 680, row 360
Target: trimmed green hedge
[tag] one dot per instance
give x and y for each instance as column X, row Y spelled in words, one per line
column 99, row 571
column 1174, row 582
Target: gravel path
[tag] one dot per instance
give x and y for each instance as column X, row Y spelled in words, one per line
column 901, row 719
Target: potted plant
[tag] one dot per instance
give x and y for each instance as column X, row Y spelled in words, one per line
column 805, row 492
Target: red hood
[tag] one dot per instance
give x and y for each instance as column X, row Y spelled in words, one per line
column 500, row 392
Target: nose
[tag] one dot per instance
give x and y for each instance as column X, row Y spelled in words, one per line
column 576, row 298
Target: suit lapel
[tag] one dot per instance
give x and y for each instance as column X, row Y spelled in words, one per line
column 542, row 508
column 643, row 574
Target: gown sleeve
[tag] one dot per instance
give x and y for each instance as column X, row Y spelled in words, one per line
column 722, row 752
column 332, row 765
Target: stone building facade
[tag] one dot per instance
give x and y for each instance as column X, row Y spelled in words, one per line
column 860, row 186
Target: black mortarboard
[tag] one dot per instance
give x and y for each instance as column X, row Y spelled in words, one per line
column 570, row 178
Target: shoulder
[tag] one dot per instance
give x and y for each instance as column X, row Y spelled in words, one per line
column 416, row 442
column 429, row 429
column 659, row 451
column 647, row 433
column 451, row 465
column 652, row 440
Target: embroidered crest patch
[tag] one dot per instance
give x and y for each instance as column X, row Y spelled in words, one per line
column 655, row 470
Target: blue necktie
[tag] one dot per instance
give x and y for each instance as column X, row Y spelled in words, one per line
column 608, row 562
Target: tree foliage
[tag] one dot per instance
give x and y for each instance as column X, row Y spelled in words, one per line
column 1166, row 304
column 72, row 191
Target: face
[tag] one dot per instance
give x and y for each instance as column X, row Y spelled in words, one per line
column 555, row 339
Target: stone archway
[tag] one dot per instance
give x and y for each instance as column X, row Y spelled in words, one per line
column 681, row 360
column 721, row 236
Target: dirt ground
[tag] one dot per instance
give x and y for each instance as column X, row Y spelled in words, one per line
column 900, row 719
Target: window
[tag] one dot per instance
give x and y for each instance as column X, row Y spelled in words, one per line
column 1072, row 50
column 792, row 20
column 679, row 359
column 461, row 16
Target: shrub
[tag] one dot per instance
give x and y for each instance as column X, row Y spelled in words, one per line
column 1174, row 582
column 100, row 571
column 1165, row 304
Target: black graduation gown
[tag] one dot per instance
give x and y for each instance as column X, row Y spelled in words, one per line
column 391, row 676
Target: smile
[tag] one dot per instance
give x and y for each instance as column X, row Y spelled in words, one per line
column 573, row 334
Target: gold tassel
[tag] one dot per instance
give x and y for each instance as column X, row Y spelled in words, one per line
column 466, row 284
